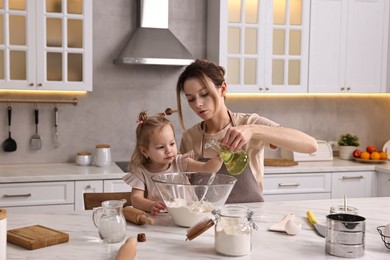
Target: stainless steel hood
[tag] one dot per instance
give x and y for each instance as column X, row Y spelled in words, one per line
column 153, row 43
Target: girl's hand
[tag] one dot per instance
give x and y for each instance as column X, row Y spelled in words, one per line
column 236, row 137
column 157, row 207
column 213, row 165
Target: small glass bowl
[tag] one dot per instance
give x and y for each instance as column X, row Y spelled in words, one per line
column 341, row 209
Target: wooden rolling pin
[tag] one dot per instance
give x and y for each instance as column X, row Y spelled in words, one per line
column 137, row 216
column 128, row 250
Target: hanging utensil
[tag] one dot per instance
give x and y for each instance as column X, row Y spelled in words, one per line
column 56, row 141
column 9, row 145
column 36, row 140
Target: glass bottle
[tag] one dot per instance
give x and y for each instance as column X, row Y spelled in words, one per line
column 235, row 161
column 233, row 230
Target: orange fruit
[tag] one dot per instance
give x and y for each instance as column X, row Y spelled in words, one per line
column 365, row 155
column 375, row 156
column 383, row 155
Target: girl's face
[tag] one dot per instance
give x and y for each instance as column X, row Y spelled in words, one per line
column 200, row 98
column 162, row 148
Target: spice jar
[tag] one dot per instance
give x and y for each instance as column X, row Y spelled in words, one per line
column 233, row 230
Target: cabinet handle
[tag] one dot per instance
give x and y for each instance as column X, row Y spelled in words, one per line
column 266, row 89
column 261, row 89
column 88, row 187
column 295, row 184
column 40, row 85
column 342, row 89
column 348, row 88
column 352, row 177
column 31, row 85
column 17, row 195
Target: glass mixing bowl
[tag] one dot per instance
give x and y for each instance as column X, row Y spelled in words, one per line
column 190, row 197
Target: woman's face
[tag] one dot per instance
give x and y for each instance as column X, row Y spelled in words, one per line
column 162, row 147
column 200, row 98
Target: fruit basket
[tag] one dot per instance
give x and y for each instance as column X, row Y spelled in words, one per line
column 385, row 239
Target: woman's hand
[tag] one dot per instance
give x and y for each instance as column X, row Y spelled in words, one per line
column 157, row 207
column 236, row 137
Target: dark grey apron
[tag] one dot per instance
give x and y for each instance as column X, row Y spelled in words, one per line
column 246, row 188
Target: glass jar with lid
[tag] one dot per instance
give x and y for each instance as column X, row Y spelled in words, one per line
column 233, row 230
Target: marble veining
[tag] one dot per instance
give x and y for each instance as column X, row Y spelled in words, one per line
column 167, row 241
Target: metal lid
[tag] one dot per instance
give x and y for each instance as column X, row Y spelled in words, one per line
column 199, row 228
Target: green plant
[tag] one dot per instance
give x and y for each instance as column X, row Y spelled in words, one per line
column 349, row 139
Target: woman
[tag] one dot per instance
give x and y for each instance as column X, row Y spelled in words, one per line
column 204, row 87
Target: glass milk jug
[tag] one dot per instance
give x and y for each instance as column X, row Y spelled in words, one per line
column 233, row 230
column 235, row 162
column 110, row 221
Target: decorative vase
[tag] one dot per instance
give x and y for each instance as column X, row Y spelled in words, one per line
column 346, row 152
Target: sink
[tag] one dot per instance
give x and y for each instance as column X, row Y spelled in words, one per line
column 123, row 165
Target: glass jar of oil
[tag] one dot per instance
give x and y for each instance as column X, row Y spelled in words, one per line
column 235, row 161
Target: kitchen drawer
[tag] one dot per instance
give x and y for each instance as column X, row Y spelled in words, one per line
column 297, row 183
column 36, row 193
column 118, row 185
column 298, row 196
column 353, row 184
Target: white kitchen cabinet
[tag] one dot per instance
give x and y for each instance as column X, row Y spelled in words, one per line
column 299, row 186
column 348, row 46
column 383, row 185
column 263, row 45
column 116, row 185
column 46, row 45
column 353, row 184
column 85, row 186
column 37, row 195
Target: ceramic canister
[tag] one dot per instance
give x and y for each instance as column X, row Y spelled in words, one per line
column 3, row 234
column 345, row 235
column 103, row 155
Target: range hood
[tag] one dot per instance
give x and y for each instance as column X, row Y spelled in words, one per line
column 153, row 43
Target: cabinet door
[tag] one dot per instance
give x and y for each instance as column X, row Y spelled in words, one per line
column 85, row 186
column 116, row 186
column 348, row 46
column 46, row 44
column 383, row 185
column 17, row 44
column 64, row 44
column 263, row 45
column 352, row 184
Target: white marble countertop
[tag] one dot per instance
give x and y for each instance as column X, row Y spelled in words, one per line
column 70, row 171
column 57, row 172
column 167, row 241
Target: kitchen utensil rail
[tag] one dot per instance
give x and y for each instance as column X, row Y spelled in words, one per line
column 74, row 101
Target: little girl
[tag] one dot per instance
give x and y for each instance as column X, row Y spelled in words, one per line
column 156, row 152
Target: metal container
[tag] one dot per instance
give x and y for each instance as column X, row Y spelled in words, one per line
column 345, row 235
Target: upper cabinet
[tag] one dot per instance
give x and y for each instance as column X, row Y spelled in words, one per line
column 263, row 45
column 46, row 44
column 348, row 46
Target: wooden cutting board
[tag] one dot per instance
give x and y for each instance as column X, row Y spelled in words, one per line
column 37, row 236
column 279, row 162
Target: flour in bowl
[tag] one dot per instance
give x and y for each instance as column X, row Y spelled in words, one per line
column 188, row 215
